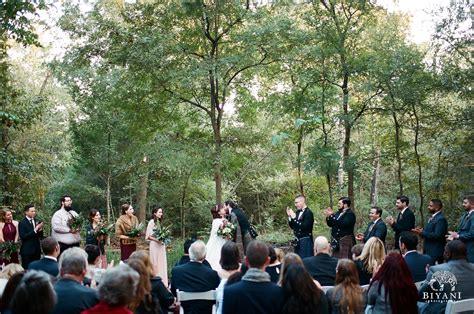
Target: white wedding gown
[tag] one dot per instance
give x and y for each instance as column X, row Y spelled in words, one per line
column 214, row 246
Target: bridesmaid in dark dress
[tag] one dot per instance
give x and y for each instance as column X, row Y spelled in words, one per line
column 95, row 220
column 9, row 232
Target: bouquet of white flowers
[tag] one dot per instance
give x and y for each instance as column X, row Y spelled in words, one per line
column 226, row 230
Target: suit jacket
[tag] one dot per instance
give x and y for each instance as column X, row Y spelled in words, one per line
column 462, row 270
column 434, row 235
column 73, row 298
column 322, row 267
column 379, row 230
column 342, row 226
column 242, row 219
column 302, row 227
column 252, row 297
column 30, row 240
column 47, row 265
column 404, row 222
column 466, row 234
column 418, row 263
column 194, row 277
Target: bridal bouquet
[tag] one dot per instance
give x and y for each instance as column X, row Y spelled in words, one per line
column 76, row 222
column 7, row 248
column 136, row 231
column 102, row 231
column 162, row 234
column 226, row 230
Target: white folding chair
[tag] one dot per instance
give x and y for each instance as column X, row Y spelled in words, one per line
column 462, row 306
column 326, row 288
column 188, row 296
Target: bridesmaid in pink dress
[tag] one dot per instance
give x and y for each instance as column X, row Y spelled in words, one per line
column 157, row 248
column 9, row 232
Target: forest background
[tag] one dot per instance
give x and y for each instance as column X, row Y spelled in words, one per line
column 189, row 103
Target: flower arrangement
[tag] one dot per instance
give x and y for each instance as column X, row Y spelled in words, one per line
column 7, row 248
column 226, row 230
column 162, row 234
column 103, row 230
column 76, row 222
column 136, row 231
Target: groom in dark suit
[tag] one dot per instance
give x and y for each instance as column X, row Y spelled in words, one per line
column 405, row 220
column 31, row 232
column 237, row 216
column 376, row 227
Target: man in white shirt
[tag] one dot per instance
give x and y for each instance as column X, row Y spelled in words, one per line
column 61, row 231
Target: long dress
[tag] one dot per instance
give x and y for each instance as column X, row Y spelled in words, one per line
column 157, row 254
column 214, row 246
column 9, row 234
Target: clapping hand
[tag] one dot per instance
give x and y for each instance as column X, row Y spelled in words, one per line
column 417, row 230
column 452, row 236
column 390, row 220
column 360, row 237
column 39, row 227
column 328, row 212
column 290, row 213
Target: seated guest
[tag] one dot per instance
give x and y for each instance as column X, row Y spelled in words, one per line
column 392, row 289
column 322, row 266
column 7, row 272
column 195, row 277
column 94, row 273
column 185, row 258
column 230, row 264
column 34, row 294
column 158, row 288
column 455, row 255
column 416, row 262
column 302, row 294
column 114, row 291
column 73, row 297
column 143, row 302
column 274, row 268
column 347, row 296
column 49, row 262
column 371, row 258
column 10, row 288
column 356, row 251
column 255, row 293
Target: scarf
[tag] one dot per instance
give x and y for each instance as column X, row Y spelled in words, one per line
column 256, row 275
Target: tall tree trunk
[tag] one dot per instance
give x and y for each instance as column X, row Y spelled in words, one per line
column 108, row 198
column 438, row 176
column 375, row 180
column 418, row 163
column 298, row 160
column 348, row 167
column 6, row 199
column 397, row 152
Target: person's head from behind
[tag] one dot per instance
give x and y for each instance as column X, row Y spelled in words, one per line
column 187, row 245
column 50, row 246
column 356, row 251
column 272, row 254
column 373, row 254
column 93, row 253
column 346, row 272
column 117, row 286
column 280, row 254
column 9, row 290
column 143, row 292
column 408, row 241
column 299, row 286
column 289, row 259
column 10, row 270
column 321, row 245
column 73, row 263
column 257, row 255
column 197, row 251
column 230, row 256
column 145, row 258
column 34, row 294
column 455, row 250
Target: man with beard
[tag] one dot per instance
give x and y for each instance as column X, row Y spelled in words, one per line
column 342, row 228
column 405, row 220
column 61, row 231
column 466, row 227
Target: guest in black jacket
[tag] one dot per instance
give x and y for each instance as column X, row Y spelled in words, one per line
column 416, row 262
column 342, row 227
column 301, row 222
column 322, row 266
column 49, row 263
column 434, row 232
column 405, row 220
column 195, row 277
column 376, row 227
column 255, row 293
column 31, row 233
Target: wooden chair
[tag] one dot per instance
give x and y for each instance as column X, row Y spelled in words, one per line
column 188, row 296
column 463, row 306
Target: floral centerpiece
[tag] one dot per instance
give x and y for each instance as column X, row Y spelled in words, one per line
column 162, row 234
column 135, row 231
column 226, row 230
column 7, row 248
column 76, row 222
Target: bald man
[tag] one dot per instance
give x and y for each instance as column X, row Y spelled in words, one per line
column 322, row 266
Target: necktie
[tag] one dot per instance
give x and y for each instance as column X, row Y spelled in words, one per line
column 431, row 218
column 372, row 225
column 32, row 223
column 399, row 216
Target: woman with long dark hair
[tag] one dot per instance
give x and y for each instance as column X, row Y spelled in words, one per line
column 392, row 289
column 94, row 222
column 302, row 294
column 157, row 247
column 347, row 297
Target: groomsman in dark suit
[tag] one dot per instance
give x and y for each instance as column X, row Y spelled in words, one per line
column 405, row 220
column 376, row 227
column 31, row 233
column 237, row 216
column 434, row 232
column 342, row 227
column 466, row 228
column 302, row 224
column 417, row 263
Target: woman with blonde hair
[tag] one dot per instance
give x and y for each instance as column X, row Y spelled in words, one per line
column 372, row 257
column 347, row 297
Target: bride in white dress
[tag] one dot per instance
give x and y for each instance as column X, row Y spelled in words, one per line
column 215, row 243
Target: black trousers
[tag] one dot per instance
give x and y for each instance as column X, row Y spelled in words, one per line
column 26, row 259
column 64, row 246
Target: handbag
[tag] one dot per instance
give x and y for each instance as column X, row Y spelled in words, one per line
column 335, row 244
column 253, row 231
